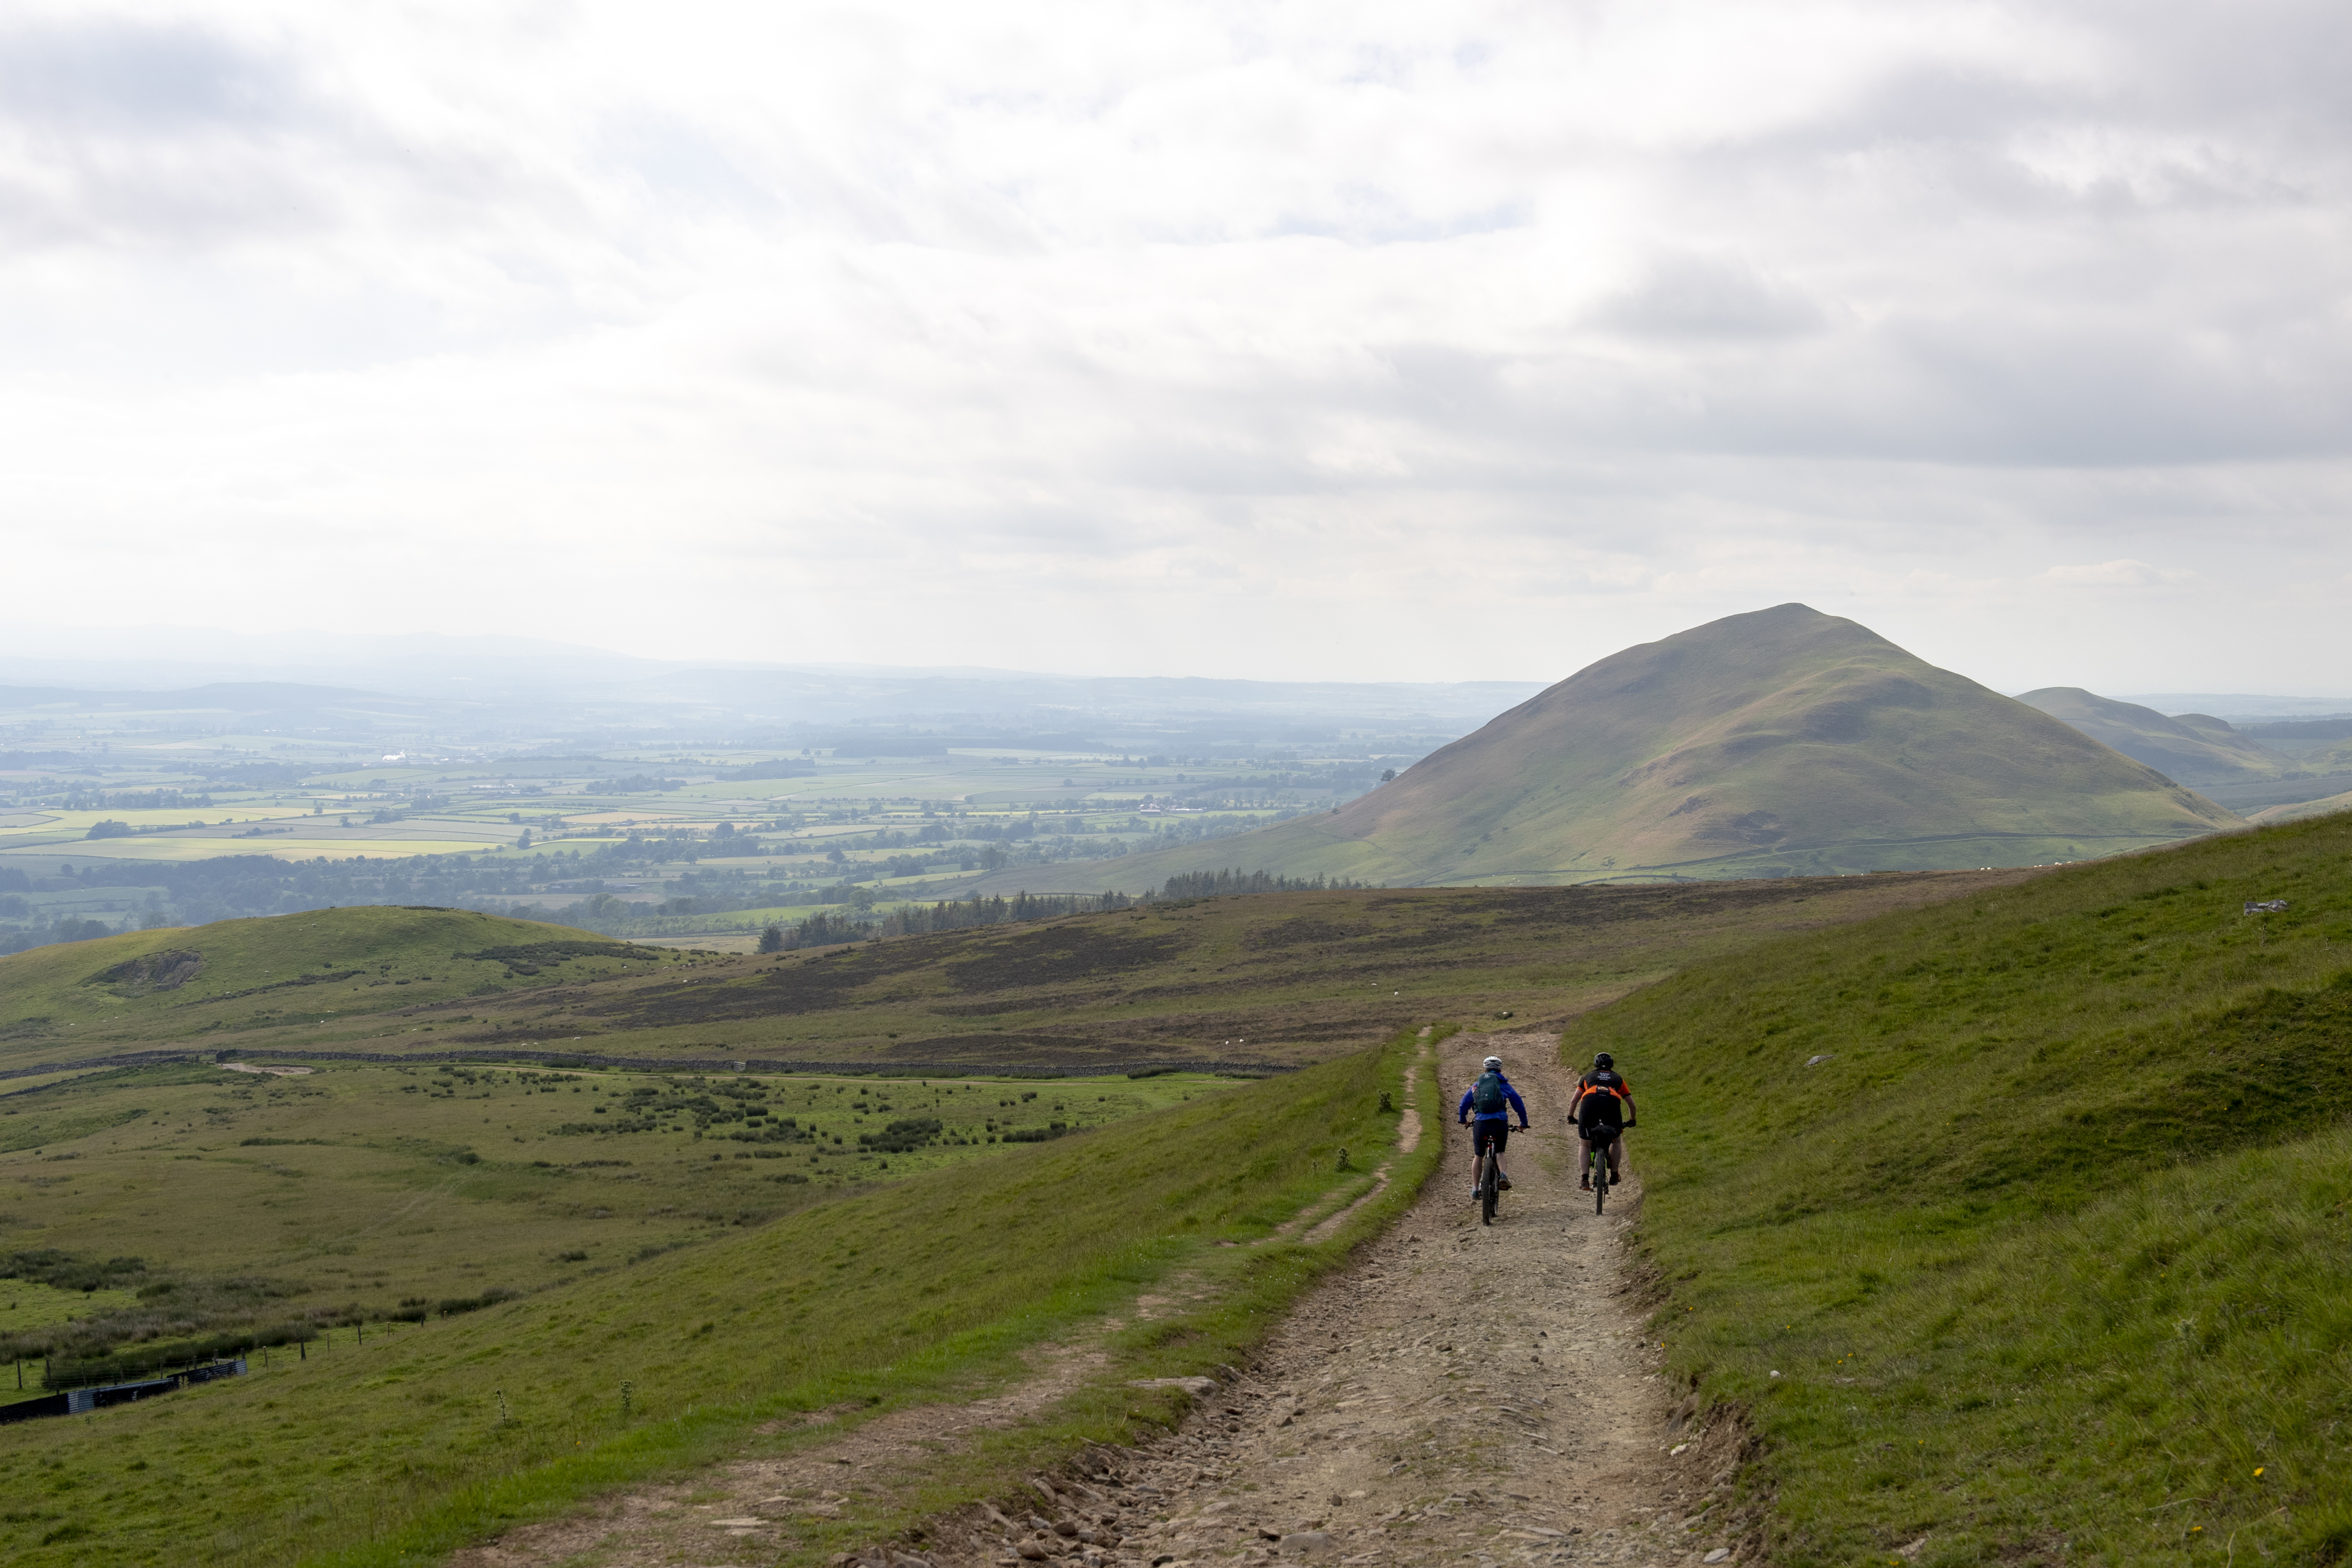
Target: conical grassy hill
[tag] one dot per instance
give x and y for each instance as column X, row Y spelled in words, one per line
column 1781, row 742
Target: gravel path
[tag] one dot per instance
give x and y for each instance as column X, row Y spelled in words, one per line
column 1464, row 1394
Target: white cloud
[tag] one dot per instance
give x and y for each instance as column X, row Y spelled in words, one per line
column 900, row 331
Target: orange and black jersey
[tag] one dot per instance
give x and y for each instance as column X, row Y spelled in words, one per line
column 1601, row 1099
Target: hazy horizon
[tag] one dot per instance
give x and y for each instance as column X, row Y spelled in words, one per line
column 161, row 658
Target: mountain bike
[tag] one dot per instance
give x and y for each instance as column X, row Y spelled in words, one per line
column 1490, row 1177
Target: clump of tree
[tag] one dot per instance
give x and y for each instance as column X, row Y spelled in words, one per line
column 1222, row 884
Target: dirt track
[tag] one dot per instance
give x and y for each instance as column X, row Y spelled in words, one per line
column 1462, row 1395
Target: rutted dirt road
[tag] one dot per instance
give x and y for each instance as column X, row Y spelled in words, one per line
column 1463, row 1395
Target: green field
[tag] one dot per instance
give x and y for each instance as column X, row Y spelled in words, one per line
column 2017, row 1225
column 368, row 1189
column 630, row 843
column 403, row 1446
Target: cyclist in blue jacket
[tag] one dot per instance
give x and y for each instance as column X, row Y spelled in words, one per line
column 1494, row 1100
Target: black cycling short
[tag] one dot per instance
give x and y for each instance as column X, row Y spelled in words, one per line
column 1482, row 1133
column 1601, row 1132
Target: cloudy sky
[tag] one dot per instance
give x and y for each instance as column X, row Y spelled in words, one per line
column 1346, row 339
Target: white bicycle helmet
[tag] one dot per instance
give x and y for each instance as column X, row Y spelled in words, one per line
column 1494, row 1064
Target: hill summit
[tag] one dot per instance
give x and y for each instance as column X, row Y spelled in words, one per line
column 1778, row 742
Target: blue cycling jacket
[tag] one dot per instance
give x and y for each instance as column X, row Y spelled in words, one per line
column 1510, row 1094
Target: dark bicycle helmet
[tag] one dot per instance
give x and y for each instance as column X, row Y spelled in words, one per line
column 1603, row 1062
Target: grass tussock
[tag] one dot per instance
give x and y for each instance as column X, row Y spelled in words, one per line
column 2020, row 1225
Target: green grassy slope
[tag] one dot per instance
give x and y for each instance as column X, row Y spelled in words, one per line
column 301, row 969
column 1277, row 978
column 1785, row 742
column 2018, row 1224
column 930, row 1288
column 2296, row 812
column 361, row 1188
column 2192, row 749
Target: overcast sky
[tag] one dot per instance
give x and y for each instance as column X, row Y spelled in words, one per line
column 1349, row 340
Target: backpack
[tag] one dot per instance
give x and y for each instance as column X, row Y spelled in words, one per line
column 1486, row 1094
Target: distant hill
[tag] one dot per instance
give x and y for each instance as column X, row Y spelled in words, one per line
column 329, row 969
column 1778, row 742
column 2188, row 747
column 2295, row 811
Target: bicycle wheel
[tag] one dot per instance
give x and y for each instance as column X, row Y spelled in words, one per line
column 1599, row 1154
column 1486, row 1190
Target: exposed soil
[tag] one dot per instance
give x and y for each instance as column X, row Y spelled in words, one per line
column 1462, row 1395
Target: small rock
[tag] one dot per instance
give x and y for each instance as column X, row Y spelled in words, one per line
column 1307, row 1542
column 1064, row 1528
column 1198, row 1388
column 1677, row 1449
column 1718, row 1555
column 1032, row 1550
